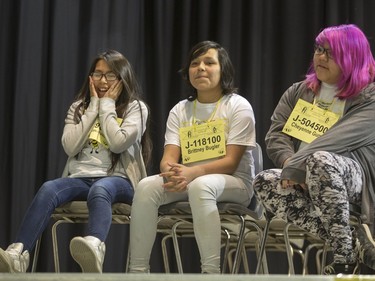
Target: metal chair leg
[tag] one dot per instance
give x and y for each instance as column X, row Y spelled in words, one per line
column 36, row 255
column 55, row 245
column 226, row 250
column 176, row 246
column 240, row 242
column 263, row 245
column 324, row 257
column 288, row 248
column 165, row 253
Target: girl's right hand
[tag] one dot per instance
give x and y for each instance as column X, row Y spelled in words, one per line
column 93, row 92
column 173, row 182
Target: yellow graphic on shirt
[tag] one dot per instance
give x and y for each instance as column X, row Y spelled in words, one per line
column 307, row 121
column 97, row 135
column 203, row 141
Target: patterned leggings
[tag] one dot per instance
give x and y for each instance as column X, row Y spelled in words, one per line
column 332, row 182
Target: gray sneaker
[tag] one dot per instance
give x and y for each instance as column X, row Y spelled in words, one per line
column 337, row 268
column 88, row 252
column 365, row 246
column 13, row 259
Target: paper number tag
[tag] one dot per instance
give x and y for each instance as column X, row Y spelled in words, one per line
column 307, row 121
column 204, row 141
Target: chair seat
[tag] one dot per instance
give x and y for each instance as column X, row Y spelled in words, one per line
column 77, row 212
column 254, row 210
column 285, row 232
column 175, row 220
column 80, row 208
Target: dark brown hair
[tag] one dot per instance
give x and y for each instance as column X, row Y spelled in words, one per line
column 131, row 91
column 227, row 69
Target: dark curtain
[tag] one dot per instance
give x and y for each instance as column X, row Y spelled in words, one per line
column 47, row 45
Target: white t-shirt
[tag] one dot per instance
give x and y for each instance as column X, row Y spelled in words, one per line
column 92, row 161
column 240, row 126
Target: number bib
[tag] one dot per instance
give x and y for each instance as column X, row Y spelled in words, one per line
column 307, row 121
column 97, row 134
column 204, row 141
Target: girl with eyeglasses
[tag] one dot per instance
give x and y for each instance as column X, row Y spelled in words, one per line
column 106, row 139
column 322, row 141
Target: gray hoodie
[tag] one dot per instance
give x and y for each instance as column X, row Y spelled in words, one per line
column 352, row 136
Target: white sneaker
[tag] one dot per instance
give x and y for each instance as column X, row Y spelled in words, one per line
column 13, row 260
column 88, row 252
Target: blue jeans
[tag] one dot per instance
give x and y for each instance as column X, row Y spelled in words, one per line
column 100, row 194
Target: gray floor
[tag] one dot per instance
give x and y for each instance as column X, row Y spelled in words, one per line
column 170, row 277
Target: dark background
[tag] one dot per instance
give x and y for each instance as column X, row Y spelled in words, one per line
column 46, row 48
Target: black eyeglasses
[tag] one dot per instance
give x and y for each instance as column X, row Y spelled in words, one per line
column 320, row 50
column 109, row 76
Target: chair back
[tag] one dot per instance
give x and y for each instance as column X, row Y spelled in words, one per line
column 258, row 158
column 255, row 205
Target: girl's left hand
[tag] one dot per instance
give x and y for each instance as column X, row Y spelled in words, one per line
column 290, row 183
column 189, row 173
column 114, row 91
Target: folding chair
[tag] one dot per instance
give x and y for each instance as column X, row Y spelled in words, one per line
column 77, row 212
column 290, row 231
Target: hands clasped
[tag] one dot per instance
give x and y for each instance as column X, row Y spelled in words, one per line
column 176, row 178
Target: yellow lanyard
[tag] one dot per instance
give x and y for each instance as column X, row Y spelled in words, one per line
column 213, row 113
column 329, row 108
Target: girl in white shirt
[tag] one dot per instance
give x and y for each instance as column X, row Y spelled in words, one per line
column 213, row 133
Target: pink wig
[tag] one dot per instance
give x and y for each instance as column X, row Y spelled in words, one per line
column 351, row 52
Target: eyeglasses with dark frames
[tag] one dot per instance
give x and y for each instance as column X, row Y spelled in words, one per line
column 109, row 76
column 320, row 50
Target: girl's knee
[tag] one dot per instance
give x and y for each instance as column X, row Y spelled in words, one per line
column 148, row 188
column 148, row 184
column 201, row 186
column 46, row 196
column 202, row 192
column 47, row 191
column 266, row 179
column 318, row 157
column 98, row 192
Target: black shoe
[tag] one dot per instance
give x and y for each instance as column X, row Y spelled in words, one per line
column 365, row 246
column 343, row 268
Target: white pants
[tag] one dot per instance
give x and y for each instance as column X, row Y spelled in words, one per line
column 202, row 193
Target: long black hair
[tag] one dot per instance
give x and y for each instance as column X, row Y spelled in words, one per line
column 130, row 91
